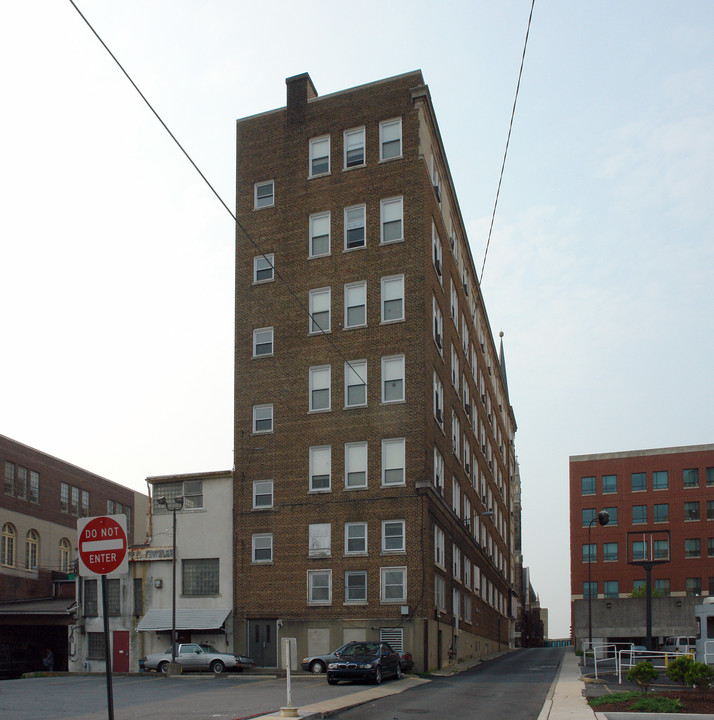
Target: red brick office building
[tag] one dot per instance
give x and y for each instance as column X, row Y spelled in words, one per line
column 373, row 426
column 661, row 507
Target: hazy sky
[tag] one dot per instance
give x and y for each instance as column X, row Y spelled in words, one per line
column 116, row 283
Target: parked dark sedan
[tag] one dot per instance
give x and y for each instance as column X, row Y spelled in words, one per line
column 318, row 663
column 371, row 661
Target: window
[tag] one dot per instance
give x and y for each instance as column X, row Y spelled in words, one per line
column 454, row 301
column 660, row 480
column 356, row 465
column 319, row 234
column 390, row 139
column 611, row 589
column 455, row 496
column 710, row 509
column 356, row 586
column 589, row 590
column 356, row 304
column 262, row 494
column 455, row 373
column 439, row 547
column 691, row 511
column 692, row 547
column 663, row 585
column 262, row 342
column 710, row 476
column 319, row 587
column 320, row 540
column 609, row 483
column 691, row 478
column 264, row 194
column 589, row 553
column 639, row 481
column 661, row 549
column 356, row 538
column 64, row 550
column 34, row 487
column 612, row 512
column 320, row 156
column 356, row 383
column 587, row 485
column 455, row 434
column 438, row 399
column 438, row 326
column 437, row 251
column 192, row 494
column 91, row 606
column 113, row 597
column 438, row 471
column 199, row 577
column 393, row 458
column 320, row 310
column 710, row 547
column 393, row 379
column 393, row 584
column 32, row 549
column 263, row 418
column 96, row 646
column 392, row 220
column 74, row 504
column 9, row 478
column 456, row 562
column 320, row 388
column 639, row 514
column 440, row 593
column 660, row 513
column 393, row 536
column 609, row 552
column 639, row 550
column 320, row 468
column 7, row 546
column 354, row 147
column 262, row 548
column 85, row 503
column 392, row 298
column 263, row 268
column 694, row 587
column 355, row 236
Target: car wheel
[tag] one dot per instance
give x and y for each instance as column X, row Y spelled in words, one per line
column 378, row 675
column 217, row 667
column 331, row 680
column 398, row 674
column 163, row 667
column 317, row 667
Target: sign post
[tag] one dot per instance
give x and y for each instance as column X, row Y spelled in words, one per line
column 102, row 547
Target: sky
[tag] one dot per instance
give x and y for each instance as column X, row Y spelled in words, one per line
column 116, row 282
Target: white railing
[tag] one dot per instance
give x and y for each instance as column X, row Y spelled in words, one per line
column 603, row 654
column 660, row 659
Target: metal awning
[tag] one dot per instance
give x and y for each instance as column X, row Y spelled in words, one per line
column 186, row 619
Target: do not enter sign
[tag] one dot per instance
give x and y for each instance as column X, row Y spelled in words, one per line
column 102, row 545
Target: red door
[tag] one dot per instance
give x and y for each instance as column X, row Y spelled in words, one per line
column 120, row 651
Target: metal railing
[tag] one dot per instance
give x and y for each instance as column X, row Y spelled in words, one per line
column 603, row 654
column 659, row 658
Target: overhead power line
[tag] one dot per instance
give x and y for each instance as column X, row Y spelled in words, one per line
column 508, row 140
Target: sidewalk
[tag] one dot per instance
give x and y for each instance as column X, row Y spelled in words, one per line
column 565, row 698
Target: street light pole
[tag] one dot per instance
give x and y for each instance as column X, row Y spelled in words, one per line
column 176, row 504
column 603, row 518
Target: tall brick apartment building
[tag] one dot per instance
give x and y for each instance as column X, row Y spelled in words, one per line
column 661, row 507
column 373, row 427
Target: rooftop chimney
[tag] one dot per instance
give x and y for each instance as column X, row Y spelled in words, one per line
column 300, row 90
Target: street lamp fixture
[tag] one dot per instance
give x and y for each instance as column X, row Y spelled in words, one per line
column 485, row 513
column 602, row 518
column 176, row 504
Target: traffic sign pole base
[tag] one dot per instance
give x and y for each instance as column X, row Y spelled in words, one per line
column 173, row 670
column 289, row 712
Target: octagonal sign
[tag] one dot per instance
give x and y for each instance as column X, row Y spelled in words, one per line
column 102, row 545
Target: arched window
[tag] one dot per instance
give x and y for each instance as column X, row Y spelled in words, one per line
column 7, row 547
column 32, row 549
column 64, row 555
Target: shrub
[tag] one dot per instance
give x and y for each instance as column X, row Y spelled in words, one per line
column 677, row 669
column 655, row 704
column 643, row 674
column 700, row 675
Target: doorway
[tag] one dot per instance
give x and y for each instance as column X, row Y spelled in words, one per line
column 262, row 642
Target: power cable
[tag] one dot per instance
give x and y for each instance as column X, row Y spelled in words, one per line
column 508, row 140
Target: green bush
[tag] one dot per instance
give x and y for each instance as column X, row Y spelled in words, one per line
column 643, row 674
column 677, row 669
column 613, row 698
column 699, row 675
column 655, row 704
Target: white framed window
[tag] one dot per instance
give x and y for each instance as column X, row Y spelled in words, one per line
column 263, row 418
column 455, row 368
column 440, row 593
column 263, row 548
column 356, row 383
column 390, row 139
column 356, row 304
column 392, row 219
column 262, row 494
column 454, row 302
column 455, row 496
column 320, row 156
column 438, row 399
column 319, row 587
column 262, row 342
column 439, row 547
column 320, row 233
column 438, row 471
column 263, row 268
column 438, row 325
column 455, row 434
column 467, row 455
column 393, row 536
column 466, row 395
column 456, row 561
column 355, row 465
column 392, row 298
column 393, row 584
column 465, row 336
column 356, row 586
column 354, row 143
column 356, row 538
column 320, row 468
column 393, row 379
column 263, row 194
column 467, row 573
column 437, row 252
column 320, row 540
column 320, row 301
column 355, row 227
column 435, row 179
column 393, row 460
column 320, row 388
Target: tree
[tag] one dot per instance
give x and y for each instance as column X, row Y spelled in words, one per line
column 643, row 674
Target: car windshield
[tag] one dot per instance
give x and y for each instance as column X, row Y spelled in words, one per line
column 208, row 648
column 361, row 649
